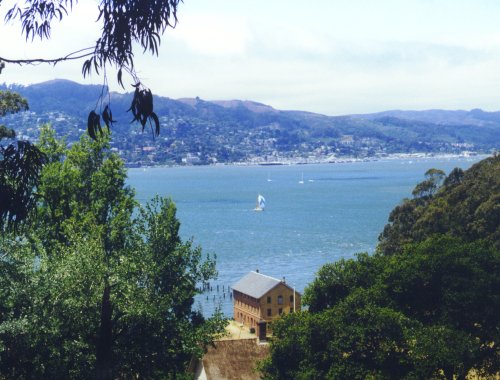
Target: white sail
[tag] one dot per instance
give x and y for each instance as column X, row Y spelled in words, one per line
column 261, row 203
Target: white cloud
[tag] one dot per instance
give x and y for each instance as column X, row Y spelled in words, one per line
column 323, row 56
column 212, row 34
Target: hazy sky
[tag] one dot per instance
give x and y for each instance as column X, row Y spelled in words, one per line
column 328, row 56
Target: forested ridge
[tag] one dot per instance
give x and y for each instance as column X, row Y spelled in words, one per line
column 464, row 204
column 424, row 306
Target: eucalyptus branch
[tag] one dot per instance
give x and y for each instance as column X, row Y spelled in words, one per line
column 79, row 54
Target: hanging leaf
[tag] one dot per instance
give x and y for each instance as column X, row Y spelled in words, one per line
column 157, row 123
column 107, row 117
column 91, row 125
column 142, row 108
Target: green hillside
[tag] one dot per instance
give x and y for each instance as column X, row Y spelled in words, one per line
column 466, row 205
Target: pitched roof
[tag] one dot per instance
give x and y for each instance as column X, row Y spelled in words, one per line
column 256, row 284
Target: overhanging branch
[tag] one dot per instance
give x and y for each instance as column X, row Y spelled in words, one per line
column 79, row 54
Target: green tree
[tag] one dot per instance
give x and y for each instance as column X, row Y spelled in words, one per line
column 10, row 102
column 98, row 286
column 334, row 281
column 19, row 168
column 428, row 312
column 356, row 339
column 451, row 287
column 427, row 188
column 465, row 205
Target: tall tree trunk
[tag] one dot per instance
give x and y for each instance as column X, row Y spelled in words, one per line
column 104, row 349
column 448, row 373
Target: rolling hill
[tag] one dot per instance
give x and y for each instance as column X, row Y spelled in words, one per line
column 196, row 131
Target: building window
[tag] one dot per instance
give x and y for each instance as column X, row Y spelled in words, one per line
column 269, row 299
column 280, row 300
column 268, row 312
column 291, row 298
column 280, row 311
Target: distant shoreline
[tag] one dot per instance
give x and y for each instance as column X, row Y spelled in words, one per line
column 321, row 161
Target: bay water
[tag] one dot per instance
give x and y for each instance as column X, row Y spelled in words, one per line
column 315, row 214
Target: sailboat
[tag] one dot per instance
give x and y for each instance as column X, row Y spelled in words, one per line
column 269, row 177
column 261, row 203
column 302, row 180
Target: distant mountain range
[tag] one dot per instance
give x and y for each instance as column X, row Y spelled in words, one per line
column 195, row 131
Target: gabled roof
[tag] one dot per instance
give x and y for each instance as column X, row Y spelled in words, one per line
column 256, row 284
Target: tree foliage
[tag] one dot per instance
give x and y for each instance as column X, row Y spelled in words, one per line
column 99, row 286
column 424, row 306
column 20, row 166
column 10, row 102
column 428, row 312
column 465, row 204
column 19, row 170
column 427, row 188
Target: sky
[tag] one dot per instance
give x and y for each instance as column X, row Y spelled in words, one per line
column 332, row 57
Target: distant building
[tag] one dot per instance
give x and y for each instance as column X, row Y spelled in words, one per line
column 347, row 140
column 191, row 159
column 260, row 298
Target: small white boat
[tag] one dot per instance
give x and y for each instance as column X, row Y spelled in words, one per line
column 261, row 203
column 302, row 180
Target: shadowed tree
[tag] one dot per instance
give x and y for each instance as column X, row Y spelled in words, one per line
column 20, row 165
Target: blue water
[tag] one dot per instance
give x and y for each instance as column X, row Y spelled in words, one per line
column 339, row 210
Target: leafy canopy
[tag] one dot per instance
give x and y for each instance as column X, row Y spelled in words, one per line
column 463, row 204
column 19, row 168
column 428, row 312
column 97, row 286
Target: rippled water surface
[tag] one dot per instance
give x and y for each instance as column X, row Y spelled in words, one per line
column 338, row 210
